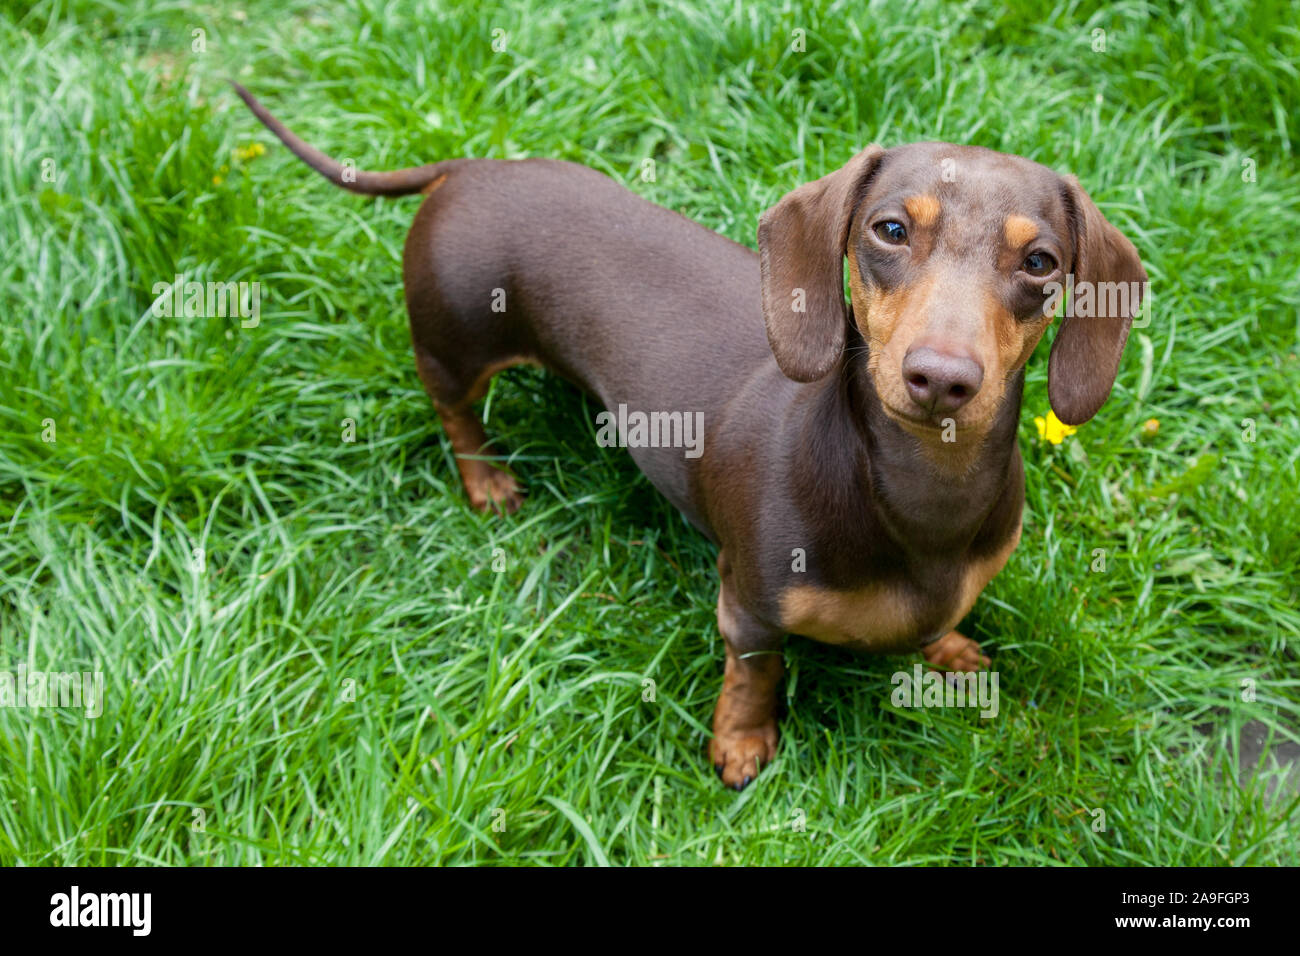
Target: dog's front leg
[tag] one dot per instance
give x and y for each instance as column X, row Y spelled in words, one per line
column 744, row 721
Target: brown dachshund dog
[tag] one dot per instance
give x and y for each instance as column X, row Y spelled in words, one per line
column 858, row 470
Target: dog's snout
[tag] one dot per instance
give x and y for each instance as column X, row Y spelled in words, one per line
column 939, row 382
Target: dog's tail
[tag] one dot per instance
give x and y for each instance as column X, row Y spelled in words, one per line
column 399, row 182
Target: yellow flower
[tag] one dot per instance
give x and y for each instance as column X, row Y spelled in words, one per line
column 1150, row 427
column 217, row 180
column 249, row 152
column 1053, row 429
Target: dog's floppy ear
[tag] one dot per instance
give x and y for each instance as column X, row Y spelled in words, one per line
column 1085, row 355
column 801, row 246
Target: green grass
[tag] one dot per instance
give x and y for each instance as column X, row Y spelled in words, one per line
column 349, row 681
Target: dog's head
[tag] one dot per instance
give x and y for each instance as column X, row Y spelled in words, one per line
column 958, row 257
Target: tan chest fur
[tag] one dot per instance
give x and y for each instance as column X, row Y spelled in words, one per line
column 881, row 618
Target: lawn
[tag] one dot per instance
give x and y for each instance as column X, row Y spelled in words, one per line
column 314, row 652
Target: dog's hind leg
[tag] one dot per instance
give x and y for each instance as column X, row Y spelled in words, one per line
column 488, row 485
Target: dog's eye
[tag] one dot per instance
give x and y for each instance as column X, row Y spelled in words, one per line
column 1039, row 264
column 891, row 232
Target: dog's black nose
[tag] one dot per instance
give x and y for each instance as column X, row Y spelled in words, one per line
column 938, row 382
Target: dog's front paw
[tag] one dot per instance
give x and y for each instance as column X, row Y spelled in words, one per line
column 738, row 755
column 955, row 652
column 492, row 489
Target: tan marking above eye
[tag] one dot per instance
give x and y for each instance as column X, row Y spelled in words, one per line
column 924, row 210
column 1019, row 231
